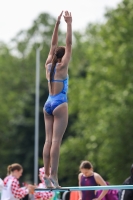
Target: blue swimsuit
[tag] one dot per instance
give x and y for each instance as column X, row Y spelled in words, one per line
column 55, row 100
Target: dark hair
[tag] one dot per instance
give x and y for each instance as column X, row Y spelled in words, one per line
column 13, row 167
column 85, row 165
column 59, row 53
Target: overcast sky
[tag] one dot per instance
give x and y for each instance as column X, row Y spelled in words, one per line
column 16, row 15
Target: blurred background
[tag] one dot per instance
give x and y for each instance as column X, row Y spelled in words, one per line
column 100, row 127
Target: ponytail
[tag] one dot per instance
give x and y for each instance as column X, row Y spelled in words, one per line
column 9, row 169
column 54, row 61
column 59, row 53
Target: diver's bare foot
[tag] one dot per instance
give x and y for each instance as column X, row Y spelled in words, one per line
column 48, row 183
column 55, row 182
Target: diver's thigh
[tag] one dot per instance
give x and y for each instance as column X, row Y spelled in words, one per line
column 48, row 119
column 61, row 110
column 60, row 121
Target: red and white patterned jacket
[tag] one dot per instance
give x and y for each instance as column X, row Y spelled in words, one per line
column 43, row 195
column 12, row 189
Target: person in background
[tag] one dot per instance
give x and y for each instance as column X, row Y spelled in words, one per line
column 87, row 177
column 1, row 186
column 56, row 107
column 127, row 194
column 11, row 189
column 42, row 195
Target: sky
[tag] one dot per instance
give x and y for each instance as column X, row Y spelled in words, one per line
column 17, row 15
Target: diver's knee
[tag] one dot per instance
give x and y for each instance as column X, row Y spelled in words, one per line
column 48, row 142
column 57, row 141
